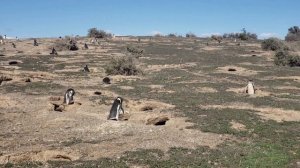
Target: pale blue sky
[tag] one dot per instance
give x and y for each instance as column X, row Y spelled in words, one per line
column 52, row 18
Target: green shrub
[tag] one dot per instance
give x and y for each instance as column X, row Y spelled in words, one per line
column 284, row 58
column 122, row 66
column 66, row 44
column 244, row 35
column 217, row 38
column 273, row 44
column 294, row 60
column 172, row 35
column 293, row 34
column 190, row 35
column 95, row 33
column 281, row 58
column 134, row 50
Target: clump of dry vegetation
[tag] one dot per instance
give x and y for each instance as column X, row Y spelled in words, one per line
column 293, row 34
column 274, row 44
column 217, row 38
column 134, row 50
column 190, row 35
column 4, row 78
column 122, row 66
column 284, row 58
column 95, row 33
column 244, row 35
column 62, row 45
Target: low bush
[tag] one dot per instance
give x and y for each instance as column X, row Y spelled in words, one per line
column 190, row 35
column 122, row 66
column 244, row 35
column 172, row 35
column 284, row 58
column 294, row 60
column 134, row 50
column 95, row 33
column 281, row 58
column 61, row 45
column 293, row 34
column 217, row 38
column 274, row 44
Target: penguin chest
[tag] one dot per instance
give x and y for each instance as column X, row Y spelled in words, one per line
column 250, row 89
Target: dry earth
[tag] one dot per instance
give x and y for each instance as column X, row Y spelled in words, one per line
column 32, row 131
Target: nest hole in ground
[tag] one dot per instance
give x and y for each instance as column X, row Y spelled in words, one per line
column 97, row 93
column 106, row 80
column 147, row 108
column 157, row 121
column 13, row 62
column 231, row 69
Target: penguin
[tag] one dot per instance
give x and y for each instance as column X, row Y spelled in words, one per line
column 68, row 98
column 14, row 45
column 250, row 88
column 53, row 52
column 35, row 43
column 116, row 109
column 86, row 46
column 86, row 69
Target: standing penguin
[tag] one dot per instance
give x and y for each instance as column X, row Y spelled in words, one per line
column 35, row 43
column 116, row 109
column 86, row 46
column 86, row 69
column 250, row 88
column 68, row 98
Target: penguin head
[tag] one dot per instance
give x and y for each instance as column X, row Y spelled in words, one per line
column 119, row 99
column 71, row 92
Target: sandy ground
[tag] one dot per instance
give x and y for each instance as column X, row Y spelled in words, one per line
column 32, row 131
